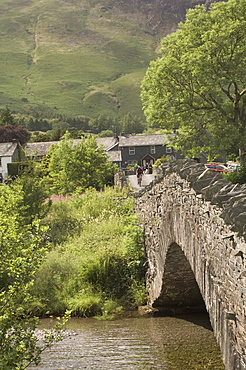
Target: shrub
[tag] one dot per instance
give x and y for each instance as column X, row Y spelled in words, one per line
column 85, row 303
column 237, row 177
column 49, row 291
column 101, row 263
column 109, row 274
column 163, row 159
column 61, row 223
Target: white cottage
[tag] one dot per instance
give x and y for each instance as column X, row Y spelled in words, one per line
column 8, row 154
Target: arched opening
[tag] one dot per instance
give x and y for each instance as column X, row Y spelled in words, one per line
column 180, row 293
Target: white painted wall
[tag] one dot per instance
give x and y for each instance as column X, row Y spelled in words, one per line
column 4, row 166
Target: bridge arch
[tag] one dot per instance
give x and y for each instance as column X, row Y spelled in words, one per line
column 180, row 292
column 205, row 238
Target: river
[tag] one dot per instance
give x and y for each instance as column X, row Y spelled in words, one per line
column 154, row 343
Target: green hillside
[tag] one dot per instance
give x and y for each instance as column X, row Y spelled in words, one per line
column 80, row 57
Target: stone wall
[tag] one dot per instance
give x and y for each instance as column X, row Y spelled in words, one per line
column 120, row 178
column 197, row 216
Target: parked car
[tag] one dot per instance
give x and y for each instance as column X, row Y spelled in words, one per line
column 216, row 167
column 233, row 167
column 165, row 164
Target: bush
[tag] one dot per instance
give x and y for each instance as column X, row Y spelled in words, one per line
column 163, row 159
column 13, row 168
column 61, row 223
column 85, row 303
column 102, row 262
column 49, row 289
column 109, row 274
column 110, row 310
column 237, row 177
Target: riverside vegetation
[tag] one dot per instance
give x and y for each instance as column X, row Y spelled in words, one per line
column 81, row 256
column 95, row 265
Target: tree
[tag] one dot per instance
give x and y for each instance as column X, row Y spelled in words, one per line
column 60, row 158
column 20, row 254
column 6, row 118
column 35, row 187
column 10, row 133
column 102, row 123
column 132, row 124
column 106, row 133
column 198, row 85
column 22, row 250
column 81, row 165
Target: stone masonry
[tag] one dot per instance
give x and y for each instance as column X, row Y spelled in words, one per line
column 195, row 229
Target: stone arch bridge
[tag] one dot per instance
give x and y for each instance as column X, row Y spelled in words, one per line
column 195, row 228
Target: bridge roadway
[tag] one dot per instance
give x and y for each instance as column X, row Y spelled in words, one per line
column 146, row 180
column 195, row 241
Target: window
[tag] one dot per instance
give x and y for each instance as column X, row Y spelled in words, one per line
column 131, row 150
column 168, row 150
column 152, row 149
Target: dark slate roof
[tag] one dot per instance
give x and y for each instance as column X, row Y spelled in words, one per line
column 143, row 140
column 38, row 149
column 107, row 142
column 7, row 149
column 114, row 155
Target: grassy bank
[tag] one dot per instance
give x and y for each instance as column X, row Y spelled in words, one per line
column 95, row 265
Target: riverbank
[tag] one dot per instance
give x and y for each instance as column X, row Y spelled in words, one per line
column 96, row 263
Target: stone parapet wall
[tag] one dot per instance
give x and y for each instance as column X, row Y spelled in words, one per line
column 205, row 216
column 120, row 178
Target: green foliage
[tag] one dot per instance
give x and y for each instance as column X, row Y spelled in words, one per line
column 163, row 159
column 79, row 166
column 6, row 118
column 237, row 176
column 49, row 297
column 106, row 133
column 198, row 84
column 110, row 310
column 86, row 303
column 109, row 274
column 102, row 123
column 61, row 223
column 103, row 262
column 13, row 168
column 132, row 124
column 21, row 253
column 22, row 154
column 35, row 189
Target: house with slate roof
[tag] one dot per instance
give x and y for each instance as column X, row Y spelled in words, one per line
column 142, row 149
column 123, row 150
column 37, row 151
column 8, row 153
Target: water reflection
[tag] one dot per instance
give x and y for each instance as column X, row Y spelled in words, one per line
column 136, row 343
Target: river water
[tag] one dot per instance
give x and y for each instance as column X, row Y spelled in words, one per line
column 166, row 343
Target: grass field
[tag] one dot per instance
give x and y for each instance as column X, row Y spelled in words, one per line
column 74, row 57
